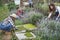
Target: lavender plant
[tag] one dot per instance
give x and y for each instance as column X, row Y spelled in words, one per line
column 48, row 30
column 32, row 17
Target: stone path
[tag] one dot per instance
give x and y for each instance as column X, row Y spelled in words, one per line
column 20, row 35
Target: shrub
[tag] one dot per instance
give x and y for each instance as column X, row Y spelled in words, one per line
column 45, row 9
column 1, row 4
column 35, row 17
column 57, row 4
column 38, row 6
column 42, row 8
column 32, row 17
column 4, row 12
column 27, row 9
column 11, row 5
column 48, row 30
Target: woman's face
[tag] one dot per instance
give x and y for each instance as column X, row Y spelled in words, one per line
column 51, row 7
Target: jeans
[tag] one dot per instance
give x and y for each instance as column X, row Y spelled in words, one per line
column 7, row 27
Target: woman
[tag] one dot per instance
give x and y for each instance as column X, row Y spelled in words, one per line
column 54, row 9
column 7, row 25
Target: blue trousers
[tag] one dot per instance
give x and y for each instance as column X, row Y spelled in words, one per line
column 7, row 27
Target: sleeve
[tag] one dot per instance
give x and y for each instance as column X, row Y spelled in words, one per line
column 11, row 22
column 59, row 11
column 58, row 8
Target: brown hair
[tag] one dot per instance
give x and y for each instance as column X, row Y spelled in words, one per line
column 53, row 7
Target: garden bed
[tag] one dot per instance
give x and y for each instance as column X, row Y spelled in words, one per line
column 26, row 27
column 29, row 26
column 20, row 28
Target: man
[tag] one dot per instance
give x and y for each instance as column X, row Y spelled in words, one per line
column 7, row 25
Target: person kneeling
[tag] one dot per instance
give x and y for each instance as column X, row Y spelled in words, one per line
column 7, row 25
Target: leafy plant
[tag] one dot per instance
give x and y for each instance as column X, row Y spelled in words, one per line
column 29, row 27
column 28, row 34
column 4, row 12
column 57, row 4
column 1, row 3
column 27, row 9
column 11, row 5
column 20, row 28
column 48, row 30
column 45, row 9
column 42, row 8
column 35, row 17
column 18, row 22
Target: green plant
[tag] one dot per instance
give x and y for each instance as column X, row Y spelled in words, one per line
column 48, row 30
column 45, row 9
column 35, row 17
column 30, row 26
column 57, row 4
column 18, row 22
column 20, row 28
column 42, row 8
column 1, row 3
column 38, row 6
column 11, row 5
column 28, row 34
column 4, row 12
column 27, row 9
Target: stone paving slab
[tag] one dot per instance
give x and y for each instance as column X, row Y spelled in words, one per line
column 21, row 36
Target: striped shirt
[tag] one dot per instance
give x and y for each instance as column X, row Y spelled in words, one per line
column 8, row 20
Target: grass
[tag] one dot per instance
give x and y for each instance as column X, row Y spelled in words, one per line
column 29, row 26
column 28, row 34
